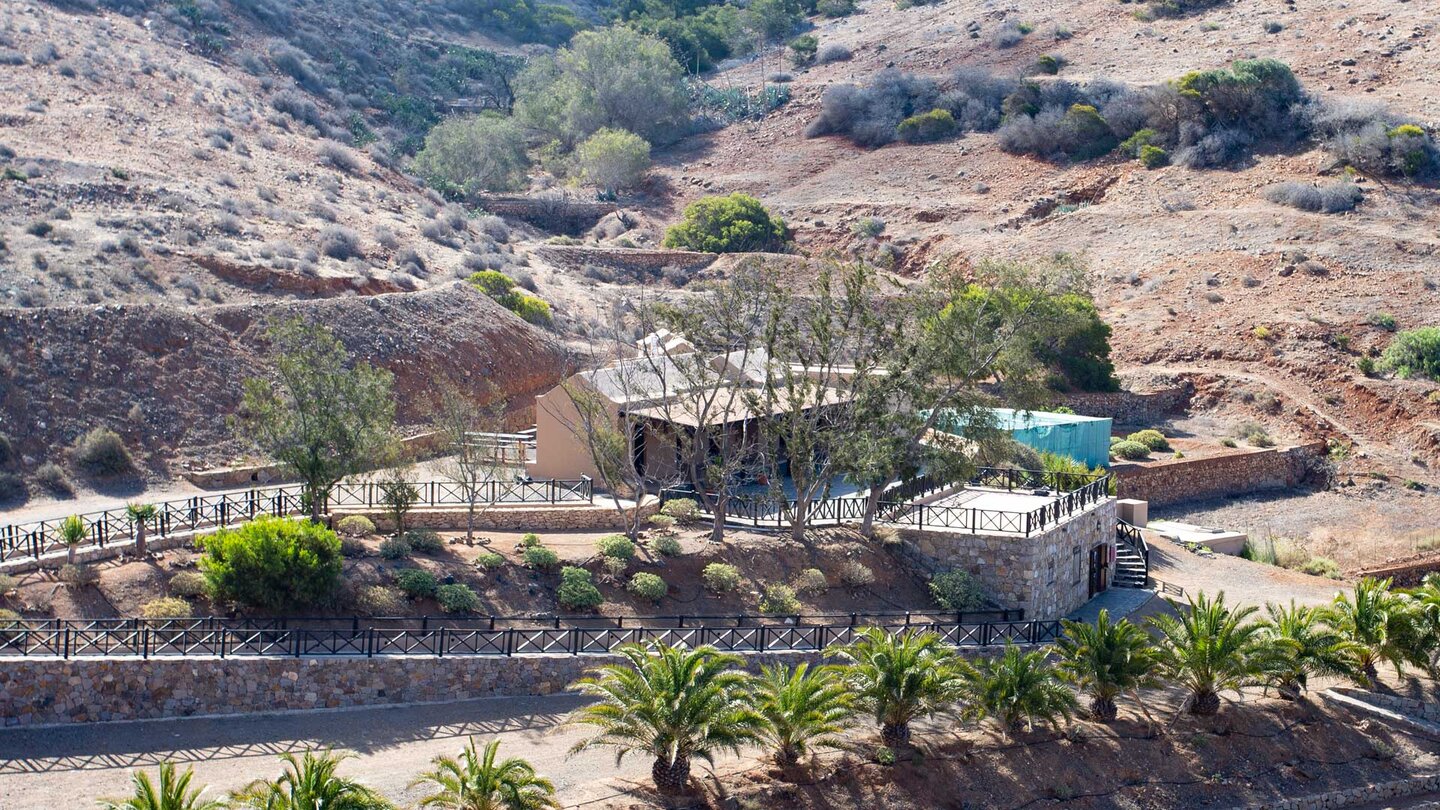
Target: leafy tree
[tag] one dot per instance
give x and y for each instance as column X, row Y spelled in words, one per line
column 613, row 159
column 731, row 224
column 273, row 563
column 72, row 531
column 771, row 20
column 465, row 156
column 1413, row 353
column 1105, row 659
column 471, row 464
column 803, row 707
column 398, row 496
column 507, row 294
column 1015, row 689
column 478, row 782
column 1381, row 624
column 140, row 515
column 1305, row 646
column 803, row 48
column 1211, row 648
column 616, row 77
column 899, row 678
column 310, row 782
column 672, row 704
column 172, row 793
column 322, row 417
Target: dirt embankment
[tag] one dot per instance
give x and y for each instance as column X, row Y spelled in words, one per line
column 166, row 377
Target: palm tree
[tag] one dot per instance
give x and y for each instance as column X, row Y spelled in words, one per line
column 1305, row 646
column 1105, row 659
column 173, row 793
column 1210, row 649
column 72, row 531
column 310, row 783
column 900, row 678
column 140, row 514
column 671, row 703
column 802, row 707
column 1384, row 626
column 1426, row 600
column 1016, row 689
column 478, row 783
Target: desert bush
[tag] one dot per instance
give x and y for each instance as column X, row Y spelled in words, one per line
column 490, row 560
column 102, row 453
column 1079, row 132
column 868, row 227
column 1153, row 157
column 1370, row 138
column 662, row 523
column 811, row 581
column 931, row 126
column 1151, row 438
column 1322, row 567
column 648, row 586
column 617, row 546
column 52, row 478
column 613, row 159
column 504, row 291
column 166, row 607
column 189, row 585
column 78, row 576
column 273, row 563
column 778, row 599
column 833, row 52
column 352, row 547
column 424, row 541
column 355, row 526
column 666, row 545
column 474, row 154
column 1383, row 320
column 1330, row 198
column 856, row 574
column 378, row 600
column 957, row 590
column 298, row 106
column 12, row 488
column 1413, row 353
column 8, row 583
column 835, row 8
column 1129, row 451
column 457, row 598
column 802, row 50
column 576, row 591
column 540, row 558
column 416, row 583
column 720, row 577
column 1254, row 434
column 870, row 115
column 1009, row 34
column 1049, row 64
column 340, row 243
column 529, row 540
column 394, row 548
column 731, row 224
column 336, row 156
column 684, row 510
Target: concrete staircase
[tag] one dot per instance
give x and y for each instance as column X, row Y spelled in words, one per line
column 1132, row 570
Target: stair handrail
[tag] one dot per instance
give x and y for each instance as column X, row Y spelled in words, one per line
column 1131, row 535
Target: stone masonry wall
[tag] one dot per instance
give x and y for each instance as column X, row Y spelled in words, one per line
column 627, row 260
column 1046, row 575
column 1170, row 482
column 558, row 518
column 1132, row 407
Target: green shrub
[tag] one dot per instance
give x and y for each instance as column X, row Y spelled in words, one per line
column 1153, row 157
column 102, row 453
column 490, row 560
column 614, row 566
column 835, row 8
column 53, row 478
column 927, row 127
column 666, row 545
column 533, row 310
column 1227, row 442
column 540, row 558
column 1255, row 435
column 7, row 584
column 577, row 592
column 189, row 584
column 166, row 607
column 416, row 583
column 394, row 548
column 957, row 590
column 613, row 159
column 776, row 598
column 1130, row 451
column 731, row 224
column 79, row 576
column 273, row 563
column 1413, row 353
column 720, row 577
column 468, row 155
column 355, row 526
column 530, row 540
column 457, row 598
column 378, row 600
column 10, row 624
column 1322, row 567
column 1141, row 139
column 868, row 227
column 662, row 523
column 1365, row 365
column 856, row 574
column 1383, row 320
column 1049, row 64
column 648, row 586
column 1151, row 438
column 12, row 488
column 811, row 581
column 503, row 290
column 802, row 50
column 617, row 546
column 424, row 541
column 684, row 510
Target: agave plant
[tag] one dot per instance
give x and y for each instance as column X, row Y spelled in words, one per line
column 1106, row 659
column 899, row 678
column 1016, row 689
column 1303, row 645
column 140, row 515
column 1384, row 626
column 672, row 704
column 310, row 782
column 478, row 782
column 1211, row 649
column 172, row 793
column 72, row 531
column 803, row 708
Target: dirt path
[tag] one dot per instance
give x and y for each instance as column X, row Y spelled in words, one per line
column 1244, row 582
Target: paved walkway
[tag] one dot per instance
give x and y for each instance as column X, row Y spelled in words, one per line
column 1243, row 582
column 1120, row 602
column 392, row 744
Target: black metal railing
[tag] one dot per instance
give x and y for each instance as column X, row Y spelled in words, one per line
column 228, row 639
column 1130, row 535
column 204, row 512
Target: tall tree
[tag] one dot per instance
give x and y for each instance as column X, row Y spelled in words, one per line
column 472, row 464
column 323, row 416
column 141, row 514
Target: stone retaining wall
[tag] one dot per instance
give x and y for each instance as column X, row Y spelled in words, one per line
column 556, row 215
column 1132, row 408
column 625, row 260
column 1170, row 482
column 1045, row 575
column 548, row 518
column 1364, row 794
column 1395, row 703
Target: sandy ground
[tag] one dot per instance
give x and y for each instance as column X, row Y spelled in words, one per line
column 1243, row 582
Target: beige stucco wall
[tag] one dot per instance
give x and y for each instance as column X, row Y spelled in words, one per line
column 560, row 450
